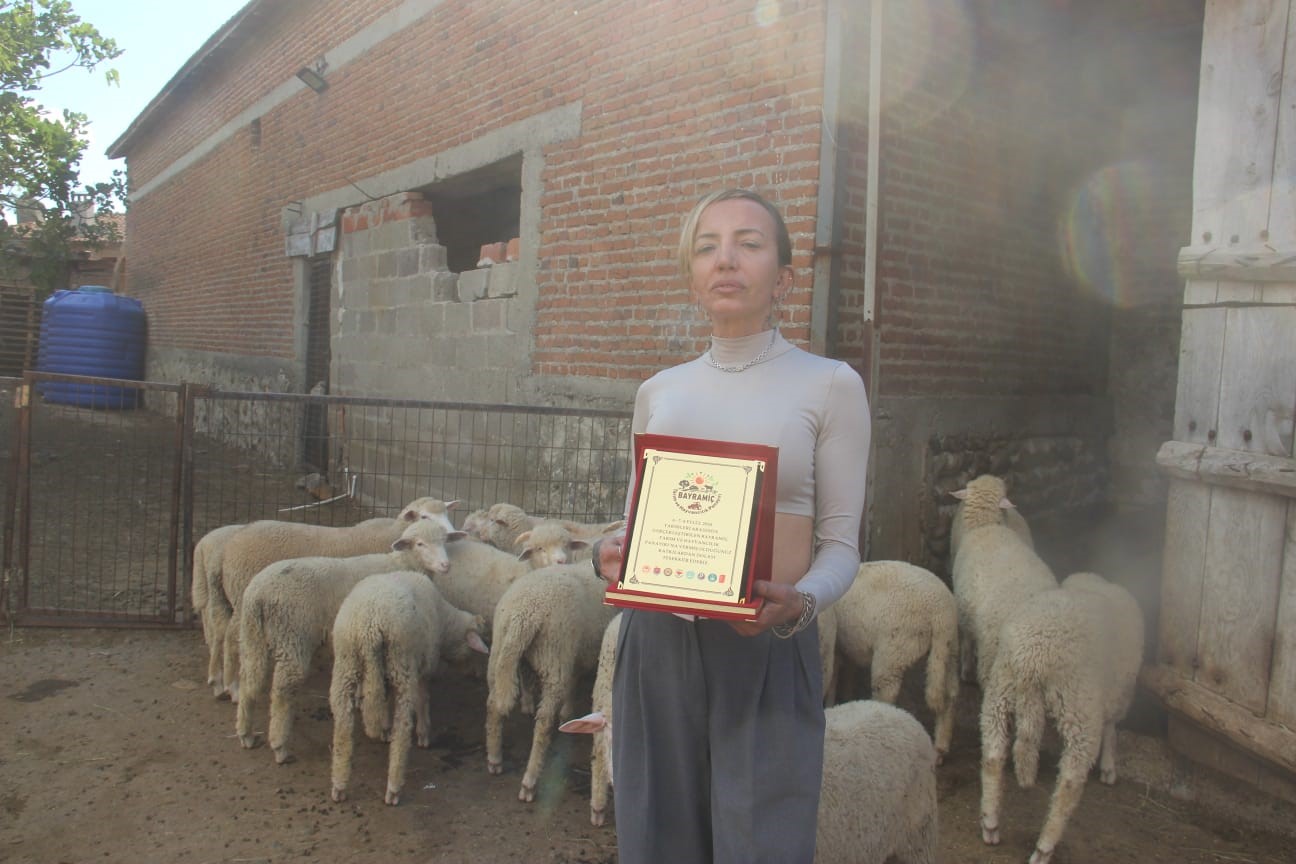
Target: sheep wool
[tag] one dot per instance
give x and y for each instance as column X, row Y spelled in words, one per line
column 553, row 619
column 262, row 543
column 389, row 638
column 994, row 571
column 1071, row 654
column 208, row 557
column 894, row 615
column 287, row 614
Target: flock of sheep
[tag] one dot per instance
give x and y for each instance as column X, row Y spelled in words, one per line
column 395, row 597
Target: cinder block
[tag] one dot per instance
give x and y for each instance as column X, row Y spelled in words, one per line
column 407, row 261
column 432, row 256
column 473, row 284
column 503, row 280
column 445, row 286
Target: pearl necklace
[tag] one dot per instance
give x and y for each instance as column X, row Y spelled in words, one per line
column 752, row 362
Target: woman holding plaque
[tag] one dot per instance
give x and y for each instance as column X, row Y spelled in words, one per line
column 718, row 744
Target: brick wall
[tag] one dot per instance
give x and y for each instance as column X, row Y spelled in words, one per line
column 675, row 99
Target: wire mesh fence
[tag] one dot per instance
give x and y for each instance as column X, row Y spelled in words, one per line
column 106, row 505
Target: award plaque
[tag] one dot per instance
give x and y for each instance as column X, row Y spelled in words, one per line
column 701, row 527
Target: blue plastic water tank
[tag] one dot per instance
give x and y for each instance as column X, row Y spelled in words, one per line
column 91, row 331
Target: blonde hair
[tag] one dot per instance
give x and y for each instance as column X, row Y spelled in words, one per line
column 688, row 233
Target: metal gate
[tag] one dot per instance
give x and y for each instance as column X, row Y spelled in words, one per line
column 102, row 507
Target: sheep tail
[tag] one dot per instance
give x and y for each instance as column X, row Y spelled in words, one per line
column 940, row 659
column 198, row 590
column 373, row 687
column 509, row 640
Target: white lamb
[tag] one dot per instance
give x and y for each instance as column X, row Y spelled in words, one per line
column 388, row 640
column 552, row 619
column 287, row 615
column 504, row 523
column 479, row 573
column 208, row 556
column 994, row 572
column 1072, row 654
column 878, row 798
column 262, row 543
column 893, row 615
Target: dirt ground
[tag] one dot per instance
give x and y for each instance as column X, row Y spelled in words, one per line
column 115, row 751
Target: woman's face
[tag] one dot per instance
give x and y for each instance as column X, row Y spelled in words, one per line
column 736, row 275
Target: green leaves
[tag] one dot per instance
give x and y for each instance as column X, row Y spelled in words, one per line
column 39, row 151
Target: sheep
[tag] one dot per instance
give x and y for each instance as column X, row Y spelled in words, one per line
column 892, row 616
column 287, row 613
column 208, row 556
column 877, row 802
column 479, row 573
column 553, row 619
column 504, row 523
column 994, row 571
column 262, row 543
column 1072, row 653
column 388, row 640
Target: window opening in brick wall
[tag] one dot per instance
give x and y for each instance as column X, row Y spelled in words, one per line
column 477, row 208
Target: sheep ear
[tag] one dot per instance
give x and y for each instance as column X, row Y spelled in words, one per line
column 612, row 526
column 522, row 538
column 476, row 643
column 579, row 544
column 525, row 554
column 587, row 725
column 411, row 516
column 402, row 544
column 452, row 536
column 1005, row 504
column 960, row 494
column 450, row 505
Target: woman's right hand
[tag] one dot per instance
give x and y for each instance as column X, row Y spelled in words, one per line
column 607, row 556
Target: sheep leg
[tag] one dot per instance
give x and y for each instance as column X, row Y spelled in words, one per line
column 495, row 737
column 423, row 714
column 288, row 676
column 600, row 780
column 255, row 673
column 231, row 657
column 1066, row 797
column 218, row 619
column 342, row 703
column 994, row 754
column 402, row 732
column 1107, row 756
column 1079, row 751
column 546, row 720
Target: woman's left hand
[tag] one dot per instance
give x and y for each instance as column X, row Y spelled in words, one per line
column 782, row 606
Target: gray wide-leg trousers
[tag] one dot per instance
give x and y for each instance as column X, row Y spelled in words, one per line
column 717, row 745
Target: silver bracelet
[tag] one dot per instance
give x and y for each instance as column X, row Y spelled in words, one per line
column 787, row 631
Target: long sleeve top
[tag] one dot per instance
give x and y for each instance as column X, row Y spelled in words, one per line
column 812, row 408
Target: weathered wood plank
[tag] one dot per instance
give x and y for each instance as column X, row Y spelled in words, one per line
column 1272, row 741
column 1282, row 210
column 1237, row 292
column 1258, row 380
column 1244, row 547
column 1254, row 472
column 1282, row 681
column 1183, row 568
column 1263, row 264
column 1237, row 117
column 1200, row 291
column 1201, row 351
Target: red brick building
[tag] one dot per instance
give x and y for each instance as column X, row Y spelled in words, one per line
column 986, row 202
